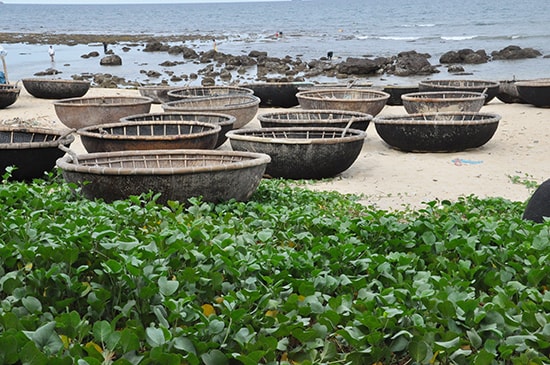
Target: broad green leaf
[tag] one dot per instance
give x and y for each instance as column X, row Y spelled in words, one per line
column 214, row 357
column 102, row 330
column 32, row 304
column 265, row 235
column 155, row 337
column 31, row 355
column 45, row 338
column 167, row 287
column 448, row 344
column 419, row 351
column 184, row 344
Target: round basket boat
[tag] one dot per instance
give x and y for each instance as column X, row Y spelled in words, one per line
column 8, row 95
column 89, row 111
column 358, row 100
column 32, row 151
column 278, row 94
column 478, row 86
column 56, row 88
column 535, row 92
column 443, row 101
column 437, row 132
column 177, row 175
column 225, row 121
column 157, row 133
column 159, row 93
column 302, row 152
column 315, row 118
column 207, row 91
column 242, row 107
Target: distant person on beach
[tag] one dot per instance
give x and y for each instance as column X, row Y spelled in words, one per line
column 330, row 54
column 51, row 52
column 105, row 47
column 214, row 45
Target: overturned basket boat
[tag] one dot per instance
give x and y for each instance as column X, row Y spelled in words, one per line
column 150, row 132
column 242, row 107
column 358, row 100
column 45, row 88
column 177, row 175
column 315, row 118
column 32, row 151
column 437, row 132
column 207, row 91
column 302, row 152
column 278, row 94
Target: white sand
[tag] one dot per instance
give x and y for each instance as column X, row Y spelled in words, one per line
column 390, row 179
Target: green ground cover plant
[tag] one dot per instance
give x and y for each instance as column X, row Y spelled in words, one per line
column 290, row 277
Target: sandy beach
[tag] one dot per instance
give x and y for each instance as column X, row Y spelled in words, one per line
column 389, row 179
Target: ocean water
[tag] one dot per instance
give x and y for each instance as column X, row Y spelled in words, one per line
column 310, row 28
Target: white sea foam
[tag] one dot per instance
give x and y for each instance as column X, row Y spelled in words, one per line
column 459, row 38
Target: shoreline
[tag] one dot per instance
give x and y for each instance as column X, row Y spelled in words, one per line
column 392, row 180
column 164, row 63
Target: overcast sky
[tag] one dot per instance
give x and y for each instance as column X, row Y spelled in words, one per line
column 119, row 1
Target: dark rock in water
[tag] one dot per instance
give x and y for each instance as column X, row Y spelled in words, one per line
column 257, row 54
column 168, row 64
column 466, row 55
column 455, row 69
column 189, row 53
column 156, row 47
column 111, row 60
column 538, row 206
column 91, row 54
column 358, row 66
column 48, row 72
column 413, row 63
column 515, row 53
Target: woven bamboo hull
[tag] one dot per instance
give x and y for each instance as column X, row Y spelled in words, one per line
column 149, row 135
column 535, row 92
column 225, row 121
column 278, row 94
column 479, row 86
column 443, row 101
column 206, row 92
column 242, row 107
column 437, row 132
column 302, row 152
column 8, row 95
column 56, row 88
column 32, row 150
column 357, row 100
column 177, row 175
column 90, row 111
column 315, row 118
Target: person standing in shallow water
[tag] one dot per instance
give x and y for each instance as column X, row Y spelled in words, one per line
column 51, row 52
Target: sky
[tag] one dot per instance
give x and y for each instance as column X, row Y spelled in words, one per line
column 119, row 1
